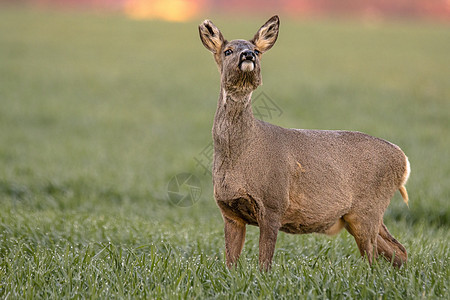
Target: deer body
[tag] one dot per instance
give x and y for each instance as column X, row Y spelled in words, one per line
column 294, row 180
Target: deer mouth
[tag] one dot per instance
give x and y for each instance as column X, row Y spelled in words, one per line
column 247, row 65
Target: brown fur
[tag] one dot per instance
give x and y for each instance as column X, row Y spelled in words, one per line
column 294, row 180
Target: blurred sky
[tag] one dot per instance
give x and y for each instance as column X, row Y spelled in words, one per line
column 184, row 10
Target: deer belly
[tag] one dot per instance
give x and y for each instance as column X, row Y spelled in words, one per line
column 308, row 217
column 304, row 228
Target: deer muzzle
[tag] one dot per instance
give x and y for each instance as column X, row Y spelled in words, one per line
column 247, row 61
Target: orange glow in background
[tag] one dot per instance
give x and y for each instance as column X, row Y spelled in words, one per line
column 168, row 10
column 186, row 10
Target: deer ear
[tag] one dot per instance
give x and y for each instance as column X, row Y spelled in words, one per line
column 211, row 36
column 267, row 35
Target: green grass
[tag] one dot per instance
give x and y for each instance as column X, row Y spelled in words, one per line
column 98, row 113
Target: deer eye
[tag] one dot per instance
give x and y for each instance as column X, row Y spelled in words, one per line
column 256, row 52
column 228, row 52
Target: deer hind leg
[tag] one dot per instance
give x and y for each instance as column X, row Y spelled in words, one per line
column 365, row 232
column 234, row 240
column 390, row 248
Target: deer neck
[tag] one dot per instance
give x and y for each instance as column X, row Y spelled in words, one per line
column 233, row 123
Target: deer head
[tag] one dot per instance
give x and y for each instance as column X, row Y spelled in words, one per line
column 239, row 60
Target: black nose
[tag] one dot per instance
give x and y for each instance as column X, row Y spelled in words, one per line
column 248, row 55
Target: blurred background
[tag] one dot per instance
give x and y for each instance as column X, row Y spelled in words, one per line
column 110, row 99
column 114, row 98
column 183, row 10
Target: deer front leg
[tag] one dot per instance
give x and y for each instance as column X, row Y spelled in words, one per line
column 268, row 232
column 234, row 240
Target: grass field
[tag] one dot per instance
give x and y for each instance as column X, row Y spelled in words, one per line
column 98, row 113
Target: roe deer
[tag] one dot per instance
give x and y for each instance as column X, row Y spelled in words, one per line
column 294, row 180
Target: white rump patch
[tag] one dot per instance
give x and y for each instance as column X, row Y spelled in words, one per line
column 407, row 172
